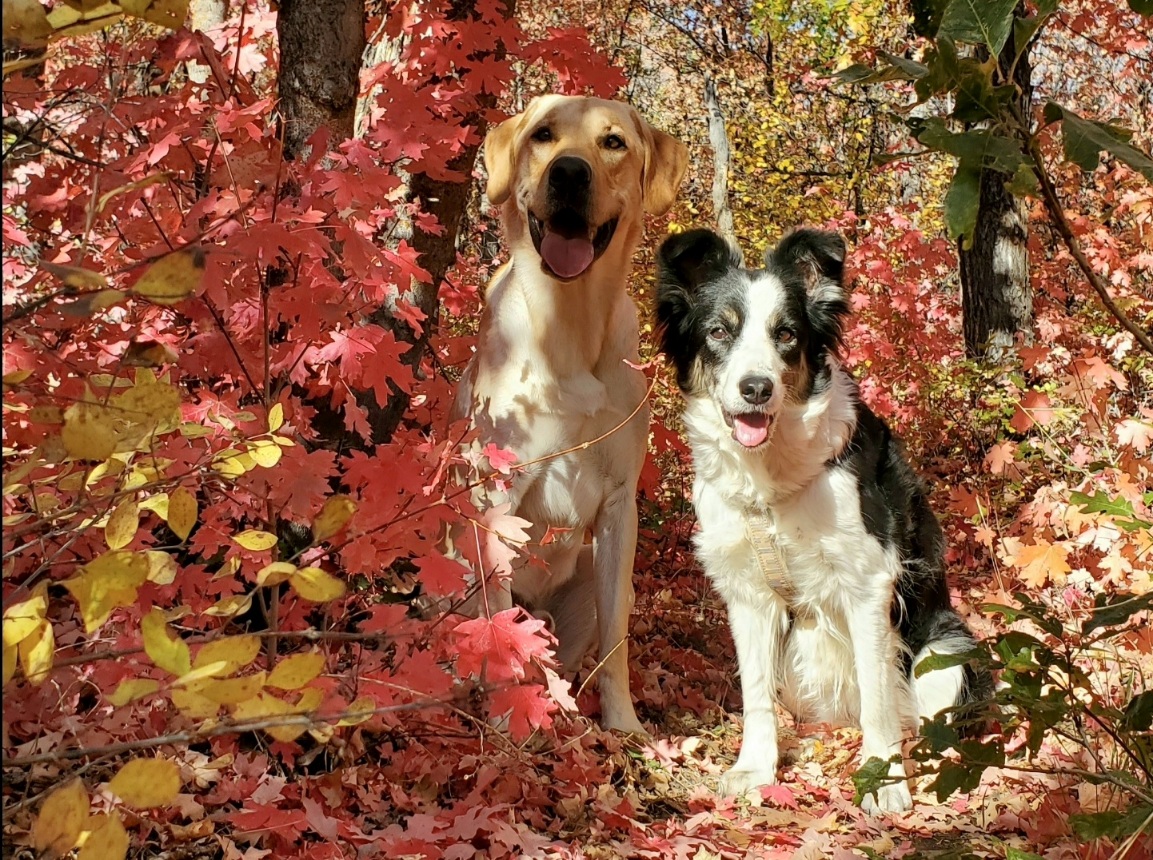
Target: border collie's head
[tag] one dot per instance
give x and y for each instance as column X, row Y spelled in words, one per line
column 751, row 339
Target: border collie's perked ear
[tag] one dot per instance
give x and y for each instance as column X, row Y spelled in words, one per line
column 820, row 258
column 687, row 260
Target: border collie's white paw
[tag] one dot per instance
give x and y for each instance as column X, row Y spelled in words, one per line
column 735, row 783
column 889, row 798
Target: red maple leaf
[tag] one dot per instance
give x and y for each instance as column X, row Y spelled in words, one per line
column 527, row 705
column 440, row 576
column 500, row 459
column 499, row 647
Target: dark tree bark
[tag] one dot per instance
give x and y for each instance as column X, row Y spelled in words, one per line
column 321, row 45
column 448, row 201
column 996, row 297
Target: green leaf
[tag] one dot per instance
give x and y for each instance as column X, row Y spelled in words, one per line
column 870, row 776
column 963, row 202
column 976, row 98
column 1099, row 503
column 1115, row 609
column 1139, row 712
column 1012, row 853
column 954, row 777
column 1142, row 7
column 979, row 147
column 1111, row 823
column 983, row 22
column 899, row 69
column 946, row 661
column 1085, row 139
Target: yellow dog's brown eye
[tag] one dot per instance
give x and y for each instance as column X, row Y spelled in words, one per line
column 614, row 141
column 542, row 134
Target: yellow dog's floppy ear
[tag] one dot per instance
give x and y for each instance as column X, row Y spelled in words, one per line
column 500, row 158
column 666, row 159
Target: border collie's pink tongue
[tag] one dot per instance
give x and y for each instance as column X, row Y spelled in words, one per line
column 566, row 257
column 751, row 430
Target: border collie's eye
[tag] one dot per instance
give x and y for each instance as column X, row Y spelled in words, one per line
column 719, row 333
column 542, row 134
column 786, row 335
column 614, row 141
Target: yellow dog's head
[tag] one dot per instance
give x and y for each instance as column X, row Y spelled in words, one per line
column 577, row 174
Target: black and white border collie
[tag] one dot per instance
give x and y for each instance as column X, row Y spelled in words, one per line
column 813, row 527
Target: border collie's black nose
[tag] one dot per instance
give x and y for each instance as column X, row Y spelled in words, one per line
column 569, row 173
column 756, row 389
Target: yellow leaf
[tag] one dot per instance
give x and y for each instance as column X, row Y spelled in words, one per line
column 146, row 783
column 275, row 573
column 46, row 415
column 36, row 653
column 309, row 701
column 17, row 376
column 237, row 651
column 265, row 453
column 193, row 705
column 166, row 13
column 131, row 690
column 11, row 654
column 161, row 567
column 11, row 66
column 172, row 278
column 194, row 431
column 158, row 503
column 255, row 540
column 108, row 840
column 154, row 405
column 295, row 671
column 234, row 464
column 182, row 512
column 275, row 415
column 92, row 303
column 265, row 706
column 89, row 431
column 25, row 24
column 169, row 653
column 235, row 604
column 232, row 691
column 122, row 525
column 200, row 673
column 333, row 516
column 62, row 817
column 106, row 584
column 22, row 619
column 131, row 186
column 1043, row 563
column 314, row 584
column 359, row 710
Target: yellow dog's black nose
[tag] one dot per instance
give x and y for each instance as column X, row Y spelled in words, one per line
column 569, row 173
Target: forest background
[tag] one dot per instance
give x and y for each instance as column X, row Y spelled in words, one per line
column 244, row 255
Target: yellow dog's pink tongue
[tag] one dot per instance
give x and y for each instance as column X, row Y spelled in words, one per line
column 750, row 430
column 566, row 257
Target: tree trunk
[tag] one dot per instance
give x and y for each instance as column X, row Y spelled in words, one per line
column 448, row 201
column 996, row 297
column 321, row 44
column 719, row 140
column 204, row 15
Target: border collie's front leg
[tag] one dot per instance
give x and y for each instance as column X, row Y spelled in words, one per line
column 875, row 653
column 759, row 627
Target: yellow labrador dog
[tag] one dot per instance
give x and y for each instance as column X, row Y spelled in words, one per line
column 573, row 177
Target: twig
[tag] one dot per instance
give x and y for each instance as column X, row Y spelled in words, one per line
column 223, row 728
column 1061, row 223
